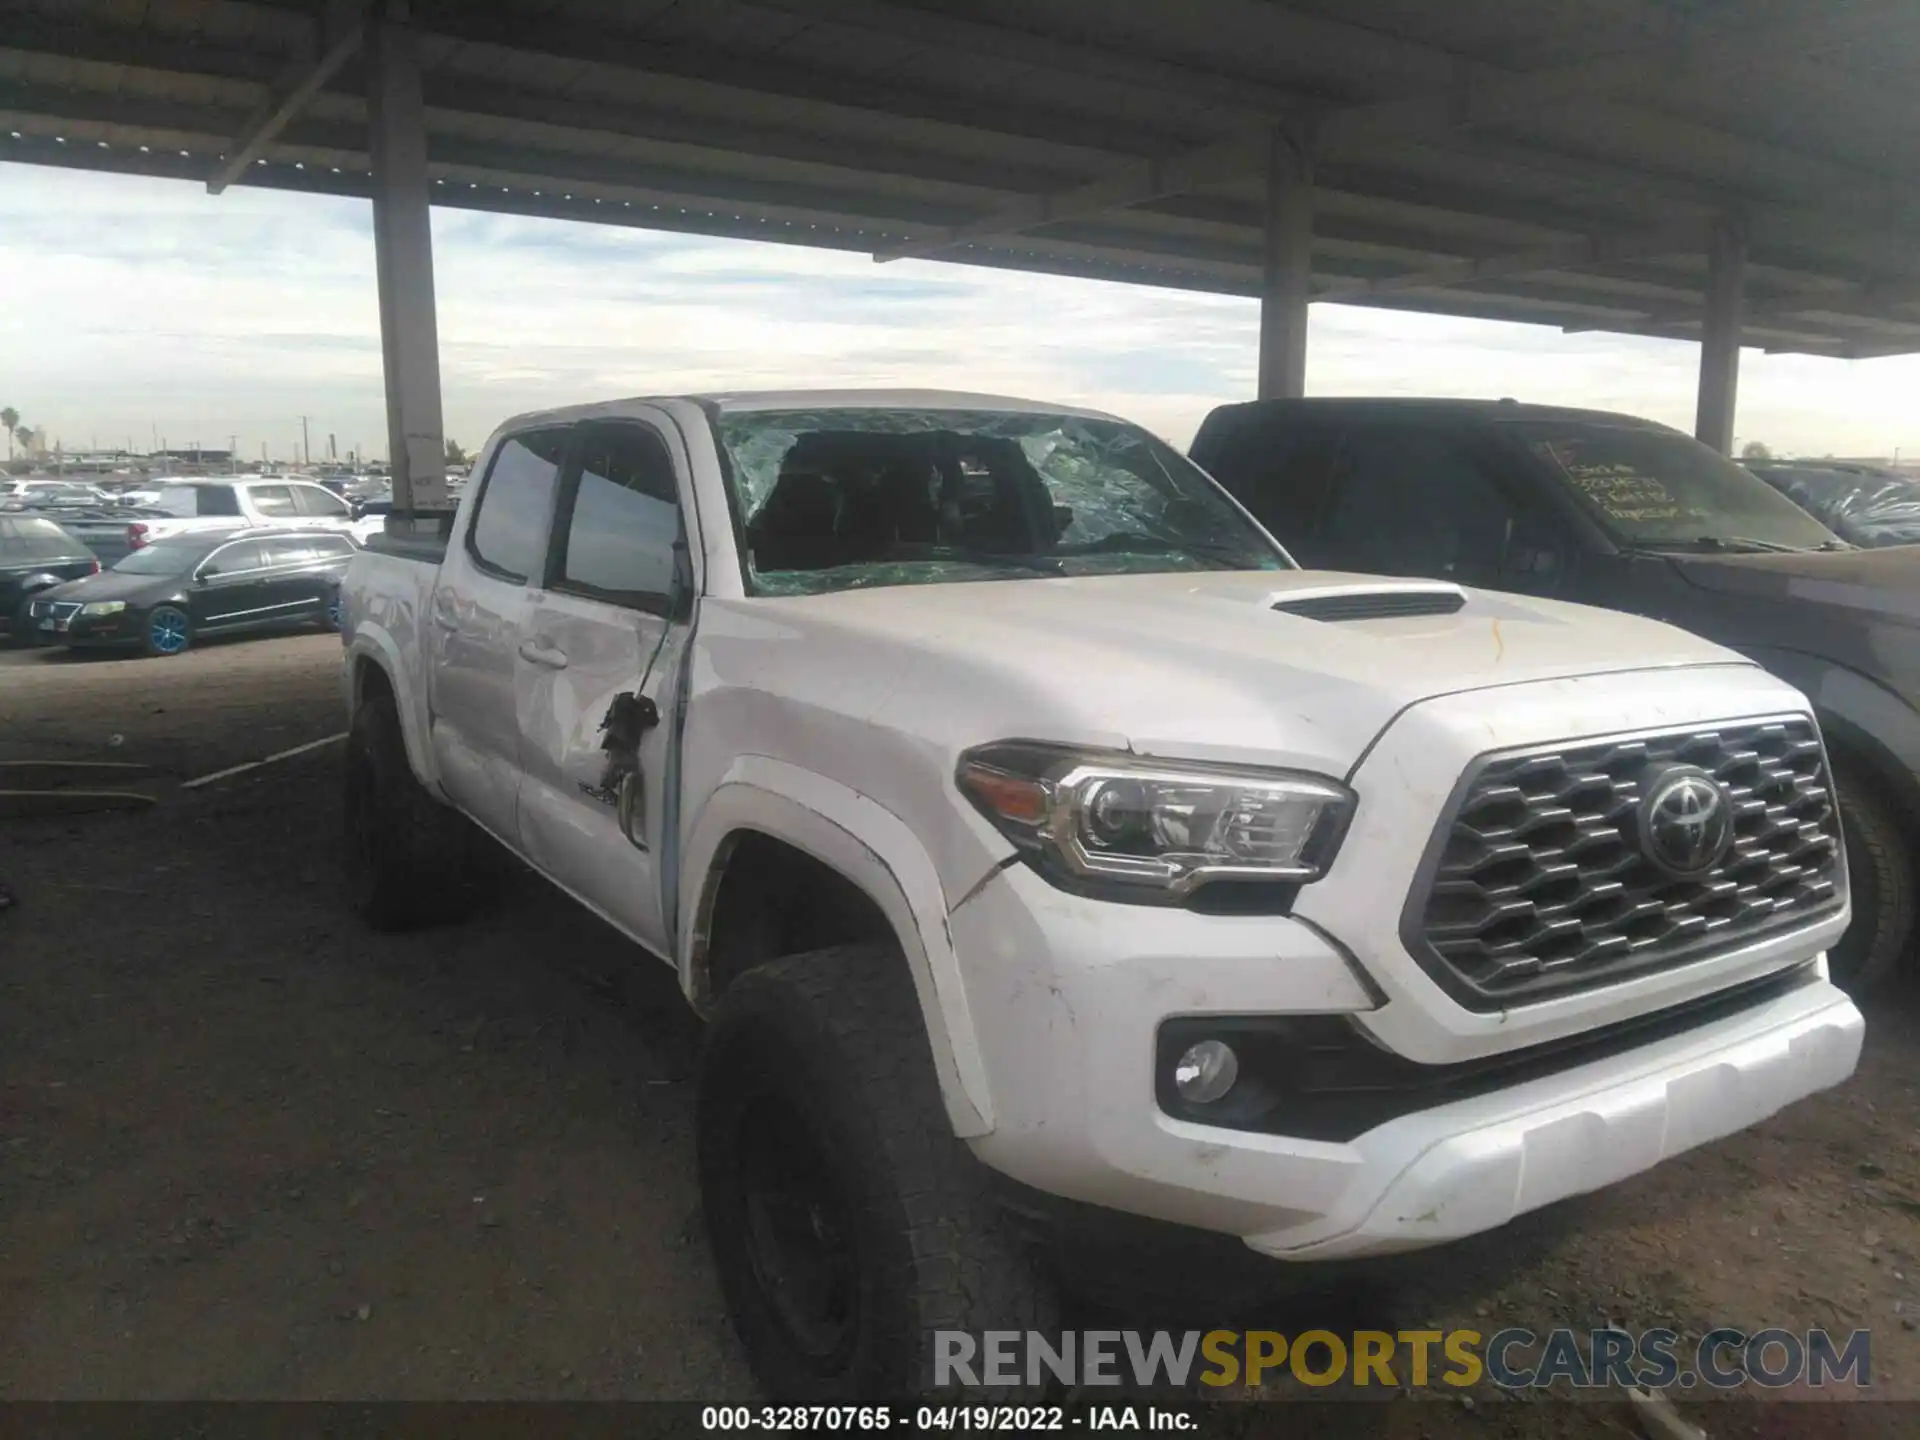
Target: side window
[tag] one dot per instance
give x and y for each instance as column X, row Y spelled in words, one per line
column 273, row 500
column 231, row 559
column 1281, row 474
column 1408, row 501
column 313, row 500
column 509, row 534
column 212, row 500
column 284, row 554
column 625, row 517
column 332, row 547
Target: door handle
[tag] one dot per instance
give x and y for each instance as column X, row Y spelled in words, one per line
column 535, row 653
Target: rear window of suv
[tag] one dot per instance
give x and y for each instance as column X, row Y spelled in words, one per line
column 192, row 501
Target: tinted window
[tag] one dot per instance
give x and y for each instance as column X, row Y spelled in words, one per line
column 192, row 500
column 241, row 555
column 509, row 534
column 626, row 516
column 43, row 540
column 289, row 552
column 273, row 500
column 1410, row 501
column 313, row 500
column 330, row 547
column 1280, row 472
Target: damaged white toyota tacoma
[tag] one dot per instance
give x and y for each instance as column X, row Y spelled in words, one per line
column 1038, row 841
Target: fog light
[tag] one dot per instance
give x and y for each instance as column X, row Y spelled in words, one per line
column 1206, row 1072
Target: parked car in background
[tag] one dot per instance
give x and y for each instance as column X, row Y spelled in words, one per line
column 1037, row 837
column 1864, row 505
column 107, row 530
column 163, row 596
column 215, row 504
column 36, row 494
column 36, row 555
column 1612, row 510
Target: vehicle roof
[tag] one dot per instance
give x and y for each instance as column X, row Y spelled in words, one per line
column 1432, row 407
column 747, row 401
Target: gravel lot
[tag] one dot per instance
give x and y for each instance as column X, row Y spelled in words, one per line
column 248, row 1149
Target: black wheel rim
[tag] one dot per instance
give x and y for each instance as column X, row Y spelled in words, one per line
column 799, row 1243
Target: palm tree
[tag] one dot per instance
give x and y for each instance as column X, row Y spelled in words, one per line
column 9, row 417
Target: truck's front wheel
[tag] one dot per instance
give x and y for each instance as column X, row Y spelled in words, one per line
column 409, row 858
column 847, row 1222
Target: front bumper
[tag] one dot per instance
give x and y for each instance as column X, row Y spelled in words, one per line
column 1068, row 995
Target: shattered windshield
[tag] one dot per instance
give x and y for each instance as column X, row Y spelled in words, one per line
column 1660, row 489
column 844, row 499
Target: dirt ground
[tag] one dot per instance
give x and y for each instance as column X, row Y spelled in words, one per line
column 250, row 1150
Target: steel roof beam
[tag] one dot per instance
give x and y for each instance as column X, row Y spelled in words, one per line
column 338, row 33
column 1482, row 96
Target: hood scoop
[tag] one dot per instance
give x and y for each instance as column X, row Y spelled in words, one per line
column 1397, row 602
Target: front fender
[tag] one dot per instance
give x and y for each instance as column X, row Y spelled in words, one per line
column 875, row 850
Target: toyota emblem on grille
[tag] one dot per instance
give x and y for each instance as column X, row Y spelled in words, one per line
column 1686, row 822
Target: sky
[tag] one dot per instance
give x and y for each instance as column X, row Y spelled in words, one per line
column 134, row 310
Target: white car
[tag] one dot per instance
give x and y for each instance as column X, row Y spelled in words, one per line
column 1036, row 837
column 276, row 501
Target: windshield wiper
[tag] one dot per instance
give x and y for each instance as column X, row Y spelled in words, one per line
column 1724, row 544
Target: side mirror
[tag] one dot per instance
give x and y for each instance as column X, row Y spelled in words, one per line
column 1062, row 520
column 206, row 572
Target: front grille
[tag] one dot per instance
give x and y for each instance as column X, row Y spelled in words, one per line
column 58, row 609
column 1538, row 883
column 1378, row 605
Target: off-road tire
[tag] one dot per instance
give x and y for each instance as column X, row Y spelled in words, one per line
column 836, row 1037
column 1880, row 872
column 409, row 859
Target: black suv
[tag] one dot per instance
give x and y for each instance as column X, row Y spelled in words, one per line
column 1617, row 511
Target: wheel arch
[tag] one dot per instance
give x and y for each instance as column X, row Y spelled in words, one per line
column 373, row 665
column 865, row 847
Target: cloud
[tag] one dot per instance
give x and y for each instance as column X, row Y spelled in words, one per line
column 137, row 306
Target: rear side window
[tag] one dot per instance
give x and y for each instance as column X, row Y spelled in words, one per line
column 1280, row 472
column 190, row 501
column 509, row 534
column 241, row 555
column 313, row 500
column 333, row 547
column 43, row 540
column 623, row 520
column 273, row 500
column 1406, row 500
column 289, row 552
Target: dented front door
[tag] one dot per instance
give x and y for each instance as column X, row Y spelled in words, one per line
column 599, row 659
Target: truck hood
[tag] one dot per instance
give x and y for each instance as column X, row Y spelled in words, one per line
column 1195, row 665
column 1882, row 584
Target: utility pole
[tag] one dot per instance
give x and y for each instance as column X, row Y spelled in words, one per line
column 156, row 438
column 306, row 450
column 233, row 453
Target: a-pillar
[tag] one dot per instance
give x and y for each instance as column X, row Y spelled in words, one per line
column 1286, row 285
column 403, row 258
column 1720, row 336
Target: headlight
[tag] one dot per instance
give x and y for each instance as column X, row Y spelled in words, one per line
column 1161, row 829
column 103, row 607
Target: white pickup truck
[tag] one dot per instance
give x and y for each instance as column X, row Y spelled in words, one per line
column 1039, row 841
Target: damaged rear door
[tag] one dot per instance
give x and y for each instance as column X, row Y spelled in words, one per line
column 597, row 670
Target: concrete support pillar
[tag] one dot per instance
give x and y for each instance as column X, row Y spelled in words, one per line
column 403, row 258
column 1720, row 336
column 1286, row 285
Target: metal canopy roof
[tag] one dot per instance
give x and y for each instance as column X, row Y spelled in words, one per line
column 1559, row 162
